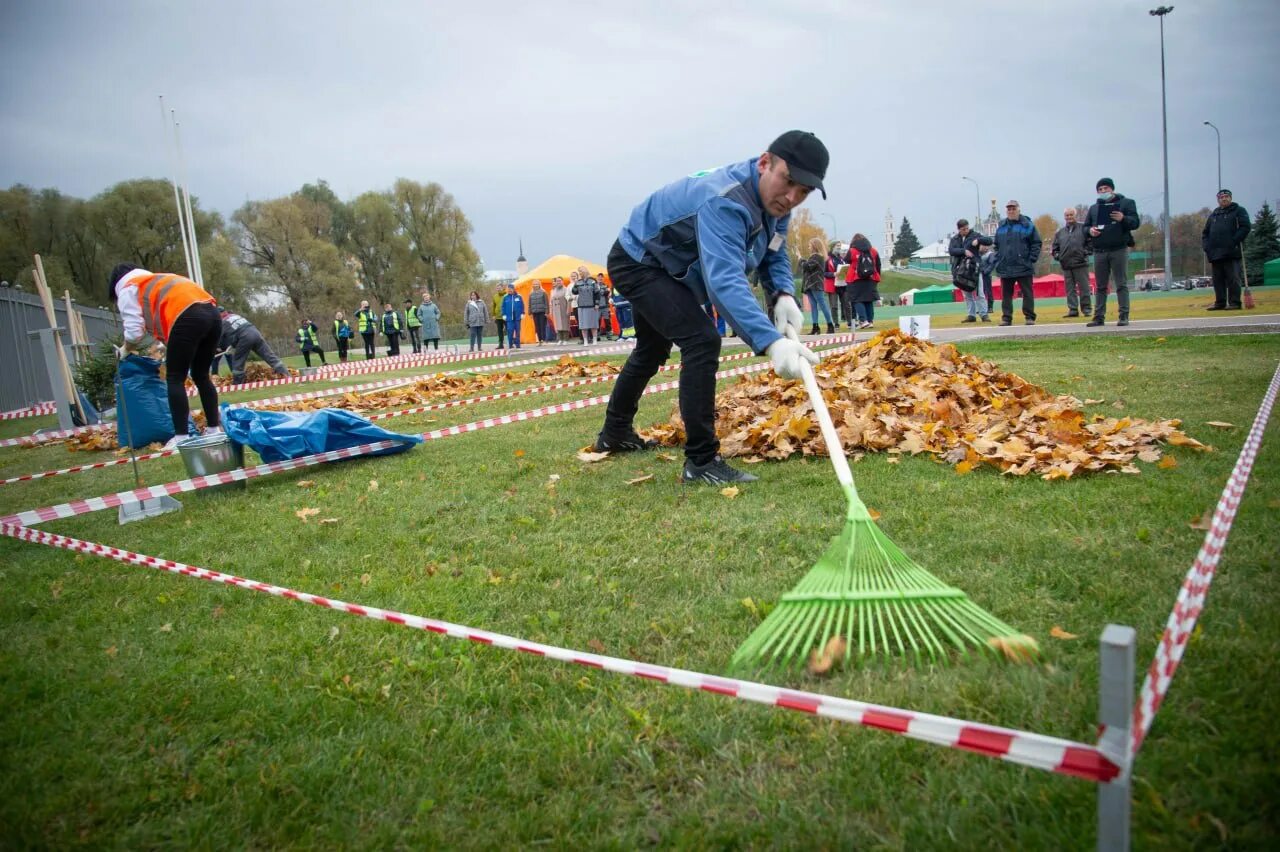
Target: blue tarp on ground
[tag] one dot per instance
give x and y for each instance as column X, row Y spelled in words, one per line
column 280, row 435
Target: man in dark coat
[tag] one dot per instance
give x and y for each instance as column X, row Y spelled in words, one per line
column 239, row 338
column 1018, row 246
column 1110, row 223
column 1224, row 233
column 1071, row 251
column 964, row 248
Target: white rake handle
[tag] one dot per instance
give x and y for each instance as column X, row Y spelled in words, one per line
column 834, row 448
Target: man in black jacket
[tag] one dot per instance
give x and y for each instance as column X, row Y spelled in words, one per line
column 1070, row 251
column 1224, row 233
column 1110, row 222
column 1018, row 248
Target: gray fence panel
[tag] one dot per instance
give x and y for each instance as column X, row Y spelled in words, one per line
column 24, row 379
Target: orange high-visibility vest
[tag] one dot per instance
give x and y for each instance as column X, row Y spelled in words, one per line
column 164, row 297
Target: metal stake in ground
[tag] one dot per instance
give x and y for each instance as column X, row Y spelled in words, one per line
column 871, row 594
column 152, row 506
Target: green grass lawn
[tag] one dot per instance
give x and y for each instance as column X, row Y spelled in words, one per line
column 144, row 709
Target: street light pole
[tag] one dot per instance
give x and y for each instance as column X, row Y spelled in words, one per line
column 1219, row 135
column 835, row 230
column 1160, row 12
column 977, row 196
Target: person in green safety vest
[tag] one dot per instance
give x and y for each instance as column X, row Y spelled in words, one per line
column 367, row 325
column 308, row 338
column 392, row 327
column 413, row 322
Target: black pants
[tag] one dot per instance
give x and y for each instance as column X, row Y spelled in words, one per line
column 666, row 312
column 1006, row 297
column 393, row 343
column 415, row 339
column 431, row 343
column 540, row 326
column 189, row 349
column 368, row 345
column 846, row 305
column 306, row 353
column 343, row 343
column 986, row 288
column 1226, row 282
column 502, row 332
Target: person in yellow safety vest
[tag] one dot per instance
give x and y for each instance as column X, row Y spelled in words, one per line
column 391, row 328
column 308, row 338
column 179, row 313
column 367, row 325
column 413, row 322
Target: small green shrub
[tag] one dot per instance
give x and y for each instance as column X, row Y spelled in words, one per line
column 96, row 377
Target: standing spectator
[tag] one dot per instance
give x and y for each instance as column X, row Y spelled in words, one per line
column 1018, row 243
column 812, row 271
column 964, row 248
column 602, row 307
column 239, row 338
column 513, row 314
column 829, row 282
column 474, row 316
column 392, row 328
column 342, row 334
column 498, row 319
column 560, row 309
column 1110, row 221
column 1224, row 233
column 413, row 322
column 538, row 307
column 843, row 297
column 862, row 278
column 588, row 317
column 429, row 316
column 367, row 325
column 179, row 313
column 1071, row 249
column 986, row 268
column 308, row 338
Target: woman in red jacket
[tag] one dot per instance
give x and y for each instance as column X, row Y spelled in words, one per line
column 180, row 314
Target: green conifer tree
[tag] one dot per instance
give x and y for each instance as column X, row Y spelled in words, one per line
column 1262, row 244
column 907, row 242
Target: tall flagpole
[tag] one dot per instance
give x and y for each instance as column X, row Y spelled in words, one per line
column 186, row 198
column 177, row 201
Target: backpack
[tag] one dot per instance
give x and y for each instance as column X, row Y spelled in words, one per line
column 866, row 265
column 965, row 275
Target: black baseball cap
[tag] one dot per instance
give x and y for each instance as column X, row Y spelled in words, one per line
column 805, row 155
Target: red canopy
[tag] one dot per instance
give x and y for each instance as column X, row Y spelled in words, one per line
column 1044, row 287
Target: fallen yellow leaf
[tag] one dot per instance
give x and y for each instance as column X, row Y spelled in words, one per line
column 111, row 652
column 823, row 660
column 875, row 516
column 1219, row 424
column 730, row 492
column 1202, row 522
column 666, row 457
column 1167, row 462
column 373, row 485
column 1017, row 649
column 1161, row 339
column 365, row 578
column 519, row 454
column 325, row 521
column 1130, row 366
column 639, row 479
column 1058, row 633
column 306, row 483
column 303, row 514
column 590, row 457
column 964, row 467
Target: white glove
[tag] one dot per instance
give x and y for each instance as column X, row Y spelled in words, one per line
column 787, row 356
column 121, row 352
column 788, row 318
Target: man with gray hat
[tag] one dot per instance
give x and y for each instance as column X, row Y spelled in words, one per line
column 694, row 241
column 1110, row 223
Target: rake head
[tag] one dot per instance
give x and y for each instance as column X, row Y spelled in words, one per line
column 865, row 590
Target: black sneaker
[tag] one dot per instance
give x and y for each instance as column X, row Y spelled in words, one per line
column 1070, row 314
column 1095, row 322
column 1122, row 322
column 1030, row 322
column 715, row 472
column 1216, row 308
column 625, row 444
column 1006, row 322
column 969, row 319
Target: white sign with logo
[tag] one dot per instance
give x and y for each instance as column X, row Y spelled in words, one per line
column 916, row 326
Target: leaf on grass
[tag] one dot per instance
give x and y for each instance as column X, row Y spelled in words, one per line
column 1058, row 633
column 875, row 515
column 639, row 479
column 519, row 454
column 303, row 514
column 112, row 651
column 1219, row 424
column 1202, row 522
column 1094, row 401
column 891, row 460
column 56, row 590
column 167, row 627
column 964, row 467
column 365, row 578
column 750, row 606
column 730, row 492
column 306, row 483
column 1131, row 366
column 823, row 660
column 373, row 485
column 1168, row 462
column 666, row 457
column 217, row 612
column 327, row 521
column 590, row 457
column 596, row 645
column 1016, row 649
column 333, row 634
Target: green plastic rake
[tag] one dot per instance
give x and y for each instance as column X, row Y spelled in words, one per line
column 869, row 593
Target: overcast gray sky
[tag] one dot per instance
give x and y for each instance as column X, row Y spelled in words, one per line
column 549, row 120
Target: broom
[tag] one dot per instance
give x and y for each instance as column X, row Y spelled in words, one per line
column 866, row 592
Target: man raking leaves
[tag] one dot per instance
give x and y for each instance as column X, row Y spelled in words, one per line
column 694, row 241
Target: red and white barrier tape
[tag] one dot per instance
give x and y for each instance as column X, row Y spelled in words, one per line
column 110, row 501
column 34, row 440
column 37, row 410
column 1023, row 747
column 27, row 477
column 1195, row 588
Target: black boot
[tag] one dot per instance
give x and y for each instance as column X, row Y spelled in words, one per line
column 831, row 329
column 814, row 330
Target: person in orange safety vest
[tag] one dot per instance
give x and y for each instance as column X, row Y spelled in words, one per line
column 179, row 313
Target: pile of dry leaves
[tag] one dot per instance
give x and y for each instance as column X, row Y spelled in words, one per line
column 254, row 372
column 105, row 439
column 902, row 395
column 438, row 387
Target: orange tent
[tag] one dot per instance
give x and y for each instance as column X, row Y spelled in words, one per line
column 542, row 275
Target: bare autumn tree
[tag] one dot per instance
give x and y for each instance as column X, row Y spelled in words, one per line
column 278, row 240
column 1046, row 226
column 801, row 230
column 438, row 239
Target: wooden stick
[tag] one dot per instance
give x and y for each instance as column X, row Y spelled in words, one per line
column 43, row 286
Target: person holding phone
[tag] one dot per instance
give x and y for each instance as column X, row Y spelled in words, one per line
column 1110, row 223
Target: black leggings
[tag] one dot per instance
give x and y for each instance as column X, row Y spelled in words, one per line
column 189, row 349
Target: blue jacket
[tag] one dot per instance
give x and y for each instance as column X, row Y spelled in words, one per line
column 512, row 308
column 708, row 231
column 1018, row 244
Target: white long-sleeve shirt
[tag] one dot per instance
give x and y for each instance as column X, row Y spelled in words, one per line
column 135, row 327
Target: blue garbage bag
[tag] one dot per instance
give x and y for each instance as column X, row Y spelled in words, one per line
column 142, row 404
column 280, row 435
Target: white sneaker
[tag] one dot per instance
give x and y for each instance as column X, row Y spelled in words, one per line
column 172, row 443
column 213, row 430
